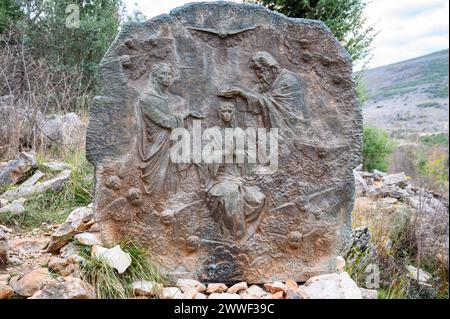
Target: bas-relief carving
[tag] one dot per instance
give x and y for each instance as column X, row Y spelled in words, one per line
column 225, row 221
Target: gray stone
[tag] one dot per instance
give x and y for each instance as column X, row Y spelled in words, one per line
column 66, row 288
column 15, row 170
column 53, row 185
column 368, row 293
column 398, row 179
column 31, row 282
column 65, row 129
column 78, row 221
column 225, row 222
column 14, row 208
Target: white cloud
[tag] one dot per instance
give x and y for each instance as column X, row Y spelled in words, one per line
column 407, row 28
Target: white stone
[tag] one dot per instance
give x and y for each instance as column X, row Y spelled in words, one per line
column 331, row 286
column 145, row 288
column 89, row 239
column 115, row 257
column 423, row 275
column 237, row 287
column 395, row 179
column 185, row 284
column 224, row 295
column 15, row 208
column 340, row 264
column 78, row 221
column 171, row 293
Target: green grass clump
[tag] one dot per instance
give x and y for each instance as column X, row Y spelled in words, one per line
column 51, row 207
column 108, row 283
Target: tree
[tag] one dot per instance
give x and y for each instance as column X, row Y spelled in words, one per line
column 71, row 33
column 9, row 13
column 376, row 147
column 343, row 17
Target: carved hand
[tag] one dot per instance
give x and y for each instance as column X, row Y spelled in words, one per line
column 196, row 115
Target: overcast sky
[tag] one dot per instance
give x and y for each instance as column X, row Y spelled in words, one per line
column 407, row 28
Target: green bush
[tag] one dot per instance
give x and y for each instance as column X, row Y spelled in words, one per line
column 376, row 147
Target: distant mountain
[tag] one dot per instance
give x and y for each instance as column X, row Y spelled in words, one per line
column 409, row 96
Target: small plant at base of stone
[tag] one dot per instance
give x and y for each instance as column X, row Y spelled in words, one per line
column 108, row 283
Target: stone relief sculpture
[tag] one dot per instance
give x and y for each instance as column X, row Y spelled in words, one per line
column 159, row 174
column 229, row 221
column 234, row 204
column 280, row 99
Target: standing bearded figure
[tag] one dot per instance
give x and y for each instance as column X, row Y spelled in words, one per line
column 158, row 115
column 280, row 98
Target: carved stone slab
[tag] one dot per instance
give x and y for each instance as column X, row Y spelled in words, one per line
column 227, row 65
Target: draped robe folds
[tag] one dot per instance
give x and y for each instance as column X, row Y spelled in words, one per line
column 234, row 204
column 281, row 104
column 159, row 174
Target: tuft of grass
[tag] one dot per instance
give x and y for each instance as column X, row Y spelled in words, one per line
column 108, row 283
column 51, row 207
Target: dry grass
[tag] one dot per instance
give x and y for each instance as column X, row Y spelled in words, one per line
column 394, row 229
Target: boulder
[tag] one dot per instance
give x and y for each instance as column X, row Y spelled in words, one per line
column 65, row 129
column 4, row 279
column 78, row 221
column 66, row 288
column 418, row 274
column 115, row 257
column 15, row 170
column 398, row 179
column 31, row 282
column 88, row 238
column 6, row 292
column 14, row 208
column 331, row 286
column 368, row 293
column 23, row 246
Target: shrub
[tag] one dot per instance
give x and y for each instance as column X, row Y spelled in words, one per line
column 376, row 147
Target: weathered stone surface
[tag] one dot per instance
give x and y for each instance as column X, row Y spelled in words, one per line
column 6, row 292
column 227, row 222
column 78, row 221
column 368, row 293
column 225, row 295
column 216, row 288
column 88, row 238
column 115, row 257
column 171, row 293
column 418, row 274
column 31, row 282
column 65, row 129
column 15, row 170
column 54, row 185
column 331, row 286
column 237, row 287
column 66, row 288
column 146, row 288
column 4, row 279
column 4, row 249
column 185, row 284
column 15, row 208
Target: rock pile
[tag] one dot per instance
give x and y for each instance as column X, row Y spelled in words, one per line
column 329, row 286
column 428, row 209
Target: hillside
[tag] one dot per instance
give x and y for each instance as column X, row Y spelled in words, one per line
column 410, row 96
